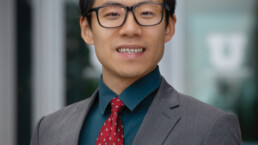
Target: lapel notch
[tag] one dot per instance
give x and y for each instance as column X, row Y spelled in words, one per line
column 162, row 116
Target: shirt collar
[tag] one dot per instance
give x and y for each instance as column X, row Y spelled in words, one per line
column 134, row 94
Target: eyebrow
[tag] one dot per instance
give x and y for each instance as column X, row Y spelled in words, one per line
column 111, row 3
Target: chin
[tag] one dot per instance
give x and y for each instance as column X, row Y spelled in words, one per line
column 133, row 74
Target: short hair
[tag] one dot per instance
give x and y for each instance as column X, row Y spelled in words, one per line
column 86, row 5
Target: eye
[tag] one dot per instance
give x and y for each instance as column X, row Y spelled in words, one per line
column 147, row 13
column 111, row 14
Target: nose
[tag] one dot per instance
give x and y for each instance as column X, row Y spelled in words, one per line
column 130, row 28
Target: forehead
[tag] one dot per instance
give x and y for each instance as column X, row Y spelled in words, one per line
column 123, row 2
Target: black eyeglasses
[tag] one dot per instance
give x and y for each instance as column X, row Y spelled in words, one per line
column 145, row 14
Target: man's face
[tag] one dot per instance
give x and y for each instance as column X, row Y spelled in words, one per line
column 129, row 51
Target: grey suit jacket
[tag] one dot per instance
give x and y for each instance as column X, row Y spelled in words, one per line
column 172, row 119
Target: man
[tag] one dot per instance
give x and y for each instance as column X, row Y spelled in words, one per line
column 134, row 104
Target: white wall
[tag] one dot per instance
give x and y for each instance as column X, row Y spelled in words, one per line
column 48, row 57
column 7, row 73
column 173, row 62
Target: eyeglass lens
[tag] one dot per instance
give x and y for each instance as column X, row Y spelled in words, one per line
column 114, row 15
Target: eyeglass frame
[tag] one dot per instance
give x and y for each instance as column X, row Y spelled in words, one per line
column 129, row 8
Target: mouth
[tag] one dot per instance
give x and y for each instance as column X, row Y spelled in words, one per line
column 130, row 50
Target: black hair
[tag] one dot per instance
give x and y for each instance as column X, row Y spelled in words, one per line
column 86, row 5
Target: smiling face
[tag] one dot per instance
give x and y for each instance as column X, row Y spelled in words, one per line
column 130, row 51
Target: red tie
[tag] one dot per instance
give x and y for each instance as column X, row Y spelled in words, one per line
column 111, row 132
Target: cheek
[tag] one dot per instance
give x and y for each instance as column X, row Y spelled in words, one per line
column 102, row 46
column 102, row 36
column 157, row 42
column 159, row 53
column 158, row 47
column 99, row 42
column 156, row 34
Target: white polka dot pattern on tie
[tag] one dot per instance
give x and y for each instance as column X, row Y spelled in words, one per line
column 111, row 132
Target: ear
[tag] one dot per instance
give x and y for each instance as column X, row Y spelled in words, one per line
column 86, row 32
column 170, row 30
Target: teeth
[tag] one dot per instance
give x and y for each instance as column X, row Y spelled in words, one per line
column 130, row 50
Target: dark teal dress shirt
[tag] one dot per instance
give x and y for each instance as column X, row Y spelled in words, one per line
column 137, row 99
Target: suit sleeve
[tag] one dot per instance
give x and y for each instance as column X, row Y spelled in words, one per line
column 35, row 135
column 225, row 131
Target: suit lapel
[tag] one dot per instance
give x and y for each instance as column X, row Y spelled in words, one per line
column 77, row 120
column 162, row 116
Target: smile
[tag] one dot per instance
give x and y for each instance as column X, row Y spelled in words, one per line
column 131, row 50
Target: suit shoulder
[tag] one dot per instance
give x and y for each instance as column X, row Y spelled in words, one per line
column 193, row 105
column 67, row 111
column 202, row 114
column 189, row 106
column 205, row 124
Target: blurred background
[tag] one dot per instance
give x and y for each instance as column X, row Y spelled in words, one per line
column 45, row 65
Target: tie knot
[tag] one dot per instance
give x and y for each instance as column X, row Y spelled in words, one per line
column 116, row 105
